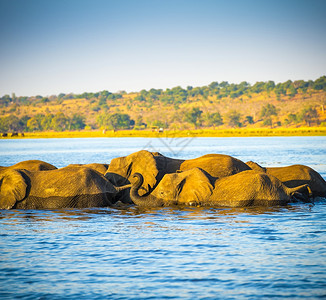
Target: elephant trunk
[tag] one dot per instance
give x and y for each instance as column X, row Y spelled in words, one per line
column 121, row 188
column 143, row 201
column 302, row 193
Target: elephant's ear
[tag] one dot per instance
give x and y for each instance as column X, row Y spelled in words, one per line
column 194, row 187
column 12, row 189
column 144, row 162
column 255, row 166
column 117, row 171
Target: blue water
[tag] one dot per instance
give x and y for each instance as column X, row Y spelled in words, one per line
column 193, row 253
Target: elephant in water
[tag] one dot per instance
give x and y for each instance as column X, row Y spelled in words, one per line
column 153, row 166
column 196, row 187
column 102, row 168
column 70, row 187
column 30, row 165
column 295, row 175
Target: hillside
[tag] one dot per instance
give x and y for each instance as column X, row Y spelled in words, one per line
column 218, row 105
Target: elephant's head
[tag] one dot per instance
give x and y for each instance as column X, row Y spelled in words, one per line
column 121, row 169
column 13, row 188
column 191, row 187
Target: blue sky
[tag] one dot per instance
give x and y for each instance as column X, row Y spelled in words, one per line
column 61, row 46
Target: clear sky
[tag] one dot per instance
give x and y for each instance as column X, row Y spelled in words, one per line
column 49, row 47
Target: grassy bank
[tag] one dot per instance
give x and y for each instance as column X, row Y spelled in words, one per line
column 302, row 131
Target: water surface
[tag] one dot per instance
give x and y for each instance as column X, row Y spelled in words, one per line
column 193, row 253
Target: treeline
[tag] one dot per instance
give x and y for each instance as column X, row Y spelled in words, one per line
column 113, row 111
column 178, row 95
column 40, row 122
column 234, row 118
column 58, row 99
column 194, row 116
column 61, row 122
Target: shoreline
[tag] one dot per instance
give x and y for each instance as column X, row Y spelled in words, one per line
column 241, row 132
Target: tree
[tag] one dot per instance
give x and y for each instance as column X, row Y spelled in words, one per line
column 102, row 101
column 140, row 98
column 268, row 122
column 250, row 119
column 33, row 124
column 320, row 83
column 213, row 85
column 279, row 89
column 103, row 120
column 292, row 118
column 3, row 125
column 139, row 121
column 46, row 122
column 59, row 122
column 301, row 84
column 5, row 100
column 270, row 85
column 193, row 116
column 214, row 119
column 115, row 121
column 45, row 100
column 292, row 91
column 77, row 122
column 258, row 87
column 11, row 123
column 158, row 123
column 233, row 118
column 309, row 115
column 23, row 122
column 268, row 111
column 120, row 121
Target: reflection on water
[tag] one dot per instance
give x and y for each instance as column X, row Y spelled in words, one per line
column 130, row 211
column 176, row 253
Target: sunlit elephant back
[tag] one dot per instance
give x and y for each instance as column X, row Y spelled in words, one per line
column 296, row 175
column 216, row 165
column 101, row 168
column 30, row 165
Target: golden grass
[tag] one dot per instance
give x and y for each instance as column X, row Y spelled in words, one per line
column 245, row 132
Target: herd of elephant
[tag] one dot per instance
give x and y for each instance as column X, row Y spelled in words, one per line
column 150, row 179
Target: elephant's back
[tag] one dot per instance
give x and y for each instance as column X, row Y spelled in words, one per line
column 296, row 175
column 68, row 181
column 249, row 188
column 33, row 165
column 216, row 165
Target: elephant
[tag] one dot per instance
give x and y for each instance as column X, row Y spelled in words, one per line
column 195, row 187
column 153, row 166
column 102, row 168
column 31, row 165
column 295, row 175
column 69, row 187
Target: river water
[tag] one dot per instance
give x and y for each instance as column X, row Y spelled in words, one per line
column 193, row 253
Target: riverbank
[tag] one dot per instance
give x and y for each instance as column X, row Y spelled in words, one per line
column 242, row 132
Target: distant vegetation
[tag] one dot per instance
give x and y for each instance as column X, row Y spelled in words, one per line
column 218, row 105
